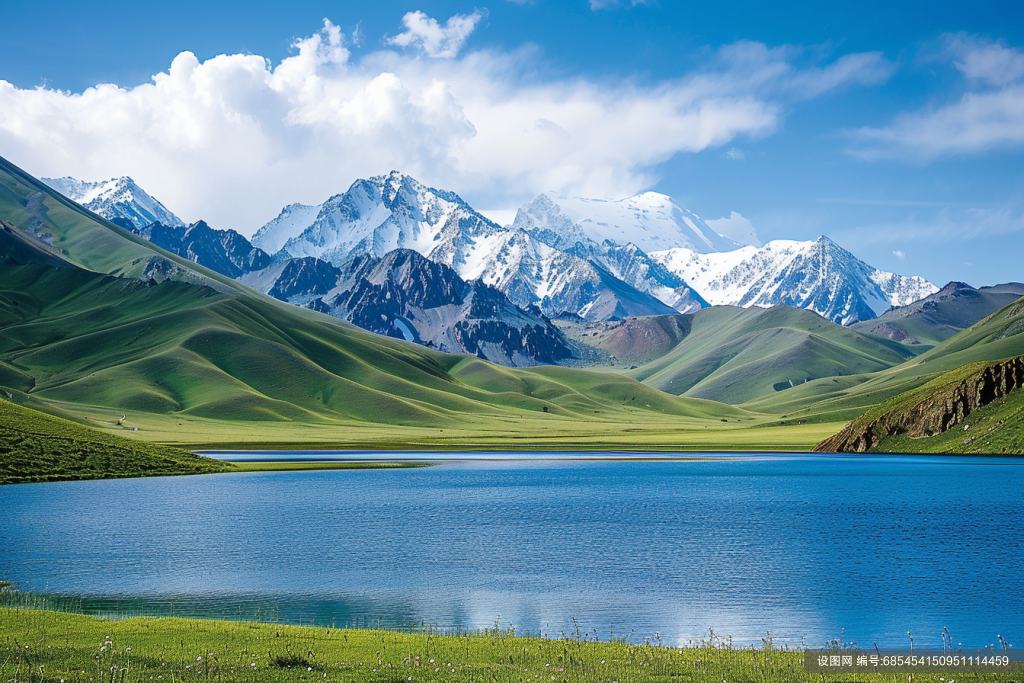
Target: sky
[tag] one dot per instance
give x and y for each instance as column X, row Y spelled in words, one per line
column 897, row 129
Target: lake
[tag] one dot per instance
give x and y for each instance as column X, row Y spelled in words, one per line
column 808, row 547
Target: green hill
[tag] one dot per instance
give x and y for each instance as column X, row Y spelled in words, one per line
column 68, row 336
column 39, row 447
column 734, row 355
column 1000, row 335
column 978, row 408
column 938, row 317
column 124, row 325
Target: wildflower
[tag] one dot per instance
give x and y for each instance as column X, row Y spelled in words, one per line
column 127, row 649
column 252, row 664
column 309, row 668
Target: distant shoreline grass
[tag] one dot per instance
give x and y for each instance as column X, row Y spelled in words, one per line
column 288, row 466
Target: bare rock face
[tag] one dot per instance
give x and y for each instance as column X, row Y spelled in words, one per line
column 932, row 412
column 223, row 251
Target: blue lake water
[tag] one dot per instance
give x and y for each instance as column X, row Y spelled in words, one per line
column 807, row 547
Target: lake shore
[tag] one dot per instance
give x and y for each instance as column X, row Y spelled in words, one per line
column 74, row 647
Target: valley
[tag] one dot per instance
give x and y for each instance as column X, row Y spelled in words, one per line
column 203, row 339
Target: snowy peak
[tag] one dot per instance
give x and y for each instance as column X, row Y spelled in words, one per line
column 119, row 200
column 290, row 223
column 820, row 276
column 378, row 215
column 651, row 221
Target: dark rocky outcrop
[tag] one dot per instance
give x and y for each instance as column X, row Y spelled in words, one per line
column 223, row 251
column 407, row 296
column 305, row 277
column 932, row 409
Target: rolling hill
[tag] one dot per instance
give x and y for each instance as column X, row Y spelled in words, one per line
column 75, row 337
column 1000, row 335
column 939, row 316
column 735, row 355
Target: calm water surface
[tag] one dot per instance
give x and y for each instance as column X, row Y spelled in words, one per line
column 802, row 546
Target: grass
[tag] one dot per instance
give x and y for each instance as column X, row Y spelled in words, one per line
column 44, row 645
column 845, row 398
column 192, row 366
column 996, row 429
column 525, row 432
column 735, row 355
column 37, row 447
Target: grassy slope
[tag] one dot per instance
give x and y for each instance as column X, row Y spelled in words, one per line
column 39, row 447
column 942, row 316
column 192, row 365
column 736, row 355
column 68, row 647
column 997, row 428
column 1001, row 335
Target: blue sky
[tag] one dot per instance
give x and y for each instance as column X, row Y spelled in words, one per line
column 895, row 128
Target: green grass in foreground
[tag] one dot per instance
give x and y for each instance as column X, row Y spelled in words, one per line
column 52, row 646
column 39, row 447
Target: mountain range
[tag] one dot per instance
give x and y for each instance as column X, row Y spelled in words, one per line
column 580, row 259
column 118, row 200
column 97, row 320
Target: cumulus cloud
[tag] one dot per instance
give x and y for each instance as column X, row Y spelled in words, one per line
column 234, row 138
column 737, row 228
column 989, row 115
column 434, row 40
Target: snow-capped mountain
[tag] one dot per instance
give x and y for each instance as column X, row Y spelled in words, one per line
column 651, row 221
column 119, row 200
column 384, row 213
column 289, row 224
column 820, row 276
column 406, row 296
column 529, row 271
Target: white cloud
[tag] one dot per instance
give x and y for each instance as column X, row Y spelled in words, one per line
column 433, row 39
column 988, row 62
column 990, row 115
column 234, row 138
column 901, row 255
column 736, row 154
column 736, row 227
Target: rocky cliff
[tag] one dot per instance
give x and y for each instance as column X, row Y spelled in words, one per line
column 933, row 409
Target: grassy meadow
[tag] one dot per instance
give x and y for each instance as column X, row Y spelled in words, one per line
column 38, row 645
column 39, row 447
